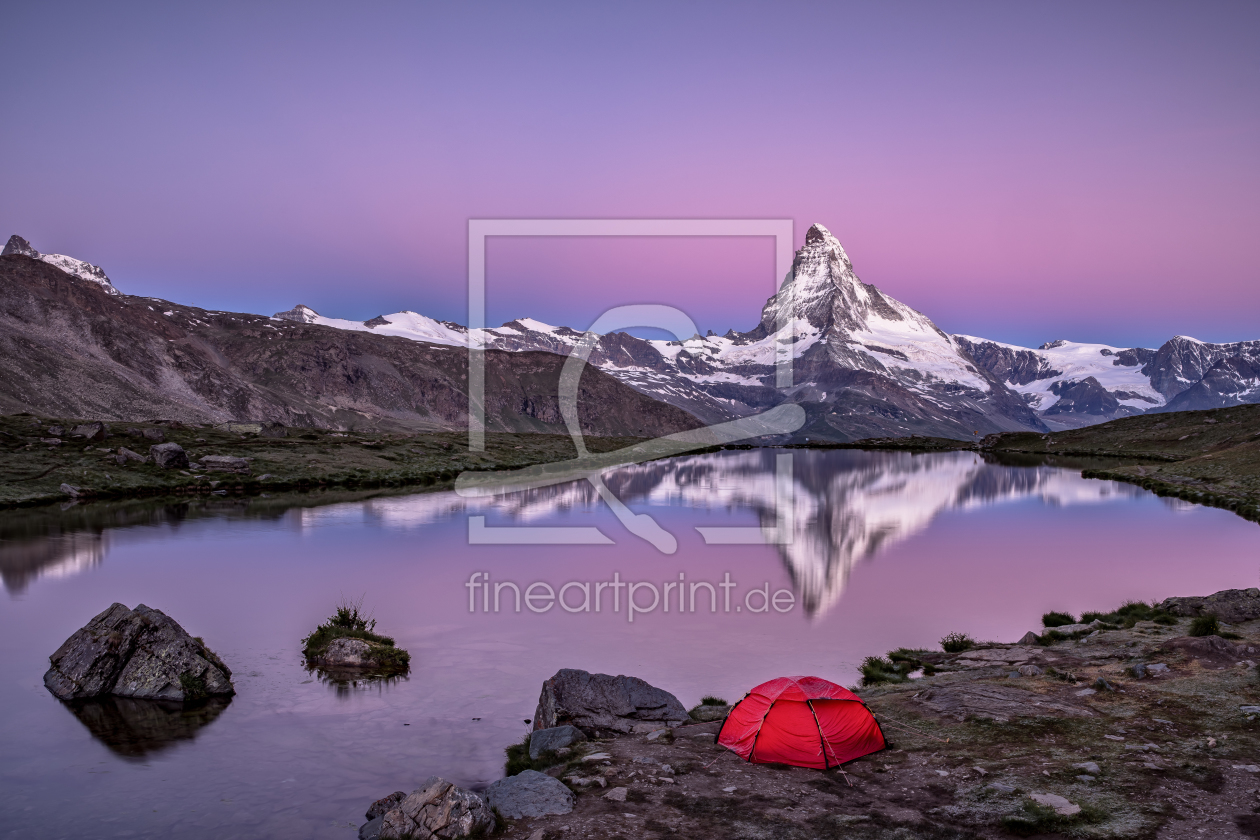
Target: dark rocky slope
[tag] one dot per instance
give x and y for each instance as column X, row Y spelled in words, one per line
column 69, row 348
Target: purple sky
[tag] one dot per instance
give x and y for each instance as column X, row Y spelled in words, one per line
column 1025, row 171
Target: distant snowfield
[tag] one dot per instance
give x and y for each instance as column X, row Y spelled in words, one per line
column 405, row 324
column 1076, row 361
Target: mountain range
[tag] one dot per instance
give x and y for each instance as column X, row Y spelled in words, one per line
column 73, row 346
column 864, row 365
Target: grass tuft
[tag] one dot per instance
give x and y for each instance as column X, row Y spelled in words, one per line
column 1130, row 613
column 349, row 622
column 1033, row 819
column 1057, row 619
column 957, row 643
column 710, row 700
column 194, row 687
column 1205, row 625
column 895, row 669
column 518, row 759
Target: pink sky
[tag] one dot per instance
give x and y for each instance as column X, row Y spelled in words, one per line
column 1025, row 172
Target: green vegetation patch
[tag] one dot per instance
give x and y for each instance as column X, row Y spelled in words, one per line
column 1124, row 617
column 896, row 668
column 957, row 643
column 1034, row 819
column 349, row 622
column 41, row 455
column 193, row 686
column 518, row 760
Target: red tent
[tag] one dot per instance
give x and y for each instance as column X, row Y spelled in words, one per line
column 802, row 721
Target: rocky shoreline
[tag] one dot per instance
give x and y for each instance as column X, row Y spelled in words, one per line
column 68, row 460
column 1209, row 457
column 1093, row 730
column 1206, row 457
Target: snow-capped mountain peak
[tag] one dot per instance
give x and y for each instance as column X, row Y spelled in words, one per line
column 853, row 348
column 860, row 325
column 75, row 268
column 301, row 313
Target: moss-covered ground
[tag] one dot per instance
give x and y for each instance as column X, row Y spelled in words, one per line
column 33, row 468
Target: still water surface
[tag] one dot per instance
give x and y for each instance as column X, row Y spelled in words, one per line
column 885, row 550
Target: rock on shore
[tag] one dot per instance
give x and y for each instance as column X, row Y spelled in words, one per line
column 599, row 704
column 530, row 794
column 169, row 456
column 437, row 809
column 550, row 740
column 1229, row 605
column 141, row 653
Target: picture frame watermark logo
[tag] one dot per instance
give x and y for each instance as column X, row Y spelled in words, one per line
column 588, row 466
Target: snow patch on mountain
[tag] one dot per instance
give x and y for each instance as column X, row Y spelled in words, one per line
column 799, row 334
column 404, row 324
column 1071, row 361
column 75, row 268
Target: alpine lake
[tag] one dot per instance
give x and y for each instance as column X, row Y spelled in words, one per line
column 754, row 564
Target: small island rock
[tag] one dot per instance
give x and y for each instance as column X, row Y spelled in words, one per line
column 346, row 653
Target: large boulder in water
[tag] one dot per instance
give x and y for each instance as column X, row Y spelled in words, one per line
column 599, row 704
column 141, row 653
column 437, row 809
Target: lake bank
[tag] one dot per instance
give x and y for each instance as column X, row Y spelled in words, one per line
column 1066, row 738
column 1206, row 457
column 43, row 454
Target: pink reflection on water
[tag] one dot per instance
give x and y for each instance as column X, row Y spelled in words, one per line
column 987, row 557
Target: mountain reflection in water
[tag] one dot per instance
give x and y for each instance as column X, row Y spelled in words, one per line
column 847, row 505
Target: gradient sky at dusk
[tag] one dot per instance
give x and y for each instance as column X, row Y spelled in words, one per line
column 1024, row 172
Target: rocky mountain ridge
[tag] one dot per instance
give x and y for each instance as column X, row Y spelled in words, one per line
column 75, row 268
column 864, row 364
column 1073, row 384
column 867, row 365
column 75, row 348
